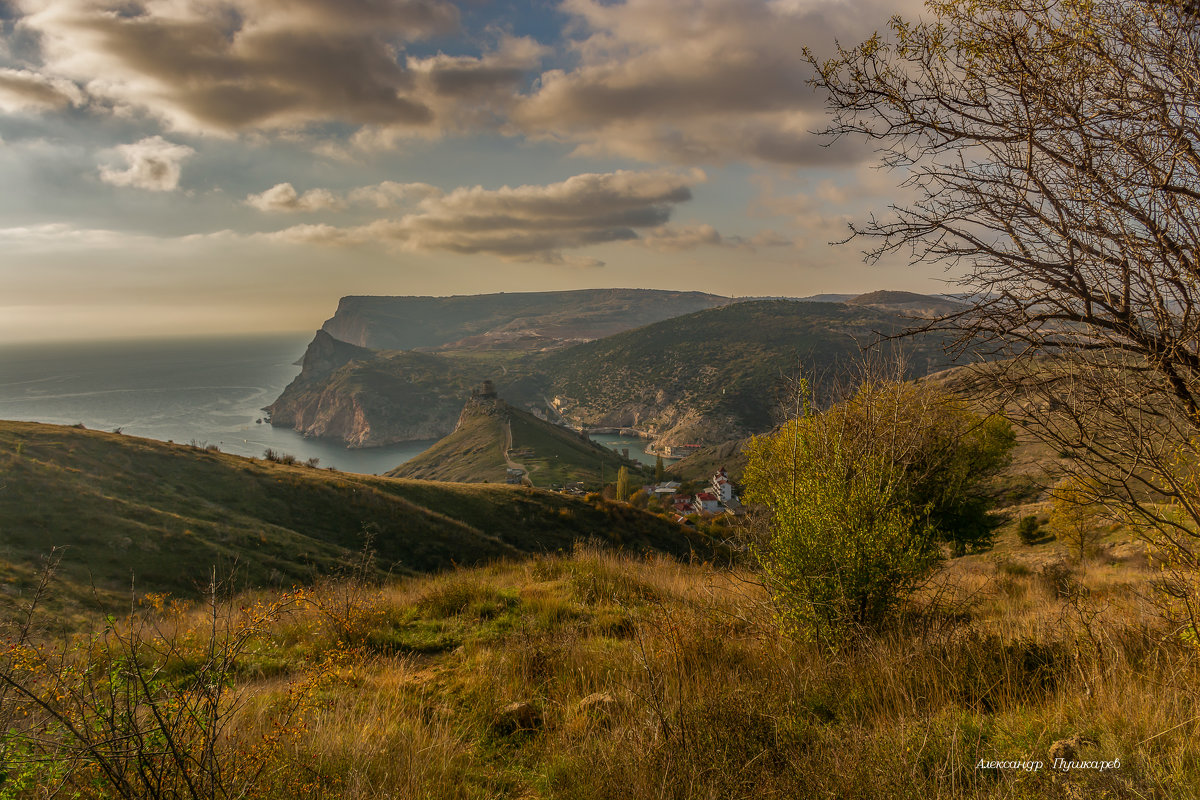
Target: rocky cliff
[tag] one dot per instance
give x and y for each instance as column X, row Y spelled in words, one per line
column 370, row 399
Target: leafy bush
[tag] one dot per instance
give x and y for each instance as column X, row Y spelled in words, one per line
column 860, row 496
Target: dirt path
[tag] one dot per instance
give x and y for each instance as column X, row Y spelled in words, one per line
column 508, row 462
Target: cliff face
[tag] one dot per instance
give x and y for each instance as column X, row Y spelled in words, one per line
column 325, row 354
column 367, row 399
column 360, row 419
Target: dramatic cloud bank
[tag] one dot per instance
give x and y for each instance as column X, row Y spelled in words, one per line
column 153, row 164
column 283, row 197
column 232, row 65
column 687, row 81
column 694, row 81
column 525, row 223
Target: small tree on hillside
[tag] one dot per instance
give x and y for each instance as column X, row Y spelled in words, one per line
column 1052, row 153
column 660, row 472
column 1073, row 516
column 624, row 485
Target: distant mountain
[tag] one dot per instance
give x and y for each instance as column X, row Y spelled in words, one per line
column 909, row 304
column 823, row 298
column 518, row 320
column 701, row 378
column 718, row 374
column 127, row 510
column 492, row 437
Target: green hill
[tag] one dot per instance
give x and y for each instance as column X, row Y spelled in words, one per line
column 701, row 465
column 719, row 374
column 161, row 515
column 492, row 436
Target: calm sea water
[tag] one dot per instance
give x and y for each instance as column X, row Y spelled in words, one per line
column 209, row 391
column 636, row 447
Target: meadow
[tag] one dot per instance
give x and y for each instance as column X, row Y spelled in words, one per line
column 599, row 674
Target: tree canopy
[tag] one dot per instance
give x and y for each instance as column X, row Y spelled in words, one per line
column 1050, row 150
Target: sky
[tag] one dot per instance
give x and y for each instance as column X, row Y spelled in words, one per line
column 183, row 167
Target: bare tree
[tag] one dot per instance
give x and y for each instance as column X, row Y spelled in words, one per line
column 1052, row 151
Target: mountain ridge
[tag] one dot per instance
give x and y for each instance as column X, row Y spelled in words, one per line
column 702, row 378
column 510, row 318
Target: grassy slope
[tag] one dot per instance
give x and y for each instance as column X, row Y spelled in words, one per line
column 164, row 514
column 703, row 695
column 551, row 454
column 473, row 453
column 701, row 465
column 559, row 456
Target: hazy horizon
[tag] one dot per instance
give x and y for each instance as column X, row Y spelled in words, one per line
column 277, row 156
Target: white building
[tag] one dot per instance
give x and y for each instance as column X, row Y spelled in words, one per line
column 722, row 488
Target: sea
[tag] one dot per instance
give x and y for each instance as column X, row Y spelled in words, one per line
column 632, row 446
column 205, row 391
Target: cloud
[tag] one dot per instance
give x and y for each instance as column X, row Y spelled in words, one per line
column 769, row 238
column 225, row 66
column 523, row 223
column 390, row 194
column 25, row 90
column 153, row 164
column 283, row 198
column 669, row 239
column 673, row 239
column 695, row 81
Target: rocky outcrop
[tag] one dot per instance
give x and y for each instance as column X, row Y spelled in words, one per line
column 367, row 399
column 326, row 354
column 360, row 419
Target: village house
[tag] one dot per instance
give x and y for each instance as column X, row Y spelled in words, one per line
column 706, row 503
column 722, row 487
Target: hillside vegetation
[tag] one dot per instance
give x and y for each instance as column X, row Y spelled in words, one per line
column 160, row 516
column 491, row 435
column 594, row 676
column 719, row 374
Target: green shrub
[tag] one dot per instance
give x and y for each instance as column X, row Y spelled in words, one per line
column 859, row 496
column 1029, row 529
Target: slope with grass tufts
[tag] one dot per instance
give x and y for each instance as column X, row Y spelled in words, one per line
column 160, row 515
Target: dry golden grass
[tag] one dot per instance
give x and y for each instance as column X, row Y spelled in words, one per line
column 406, row 683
